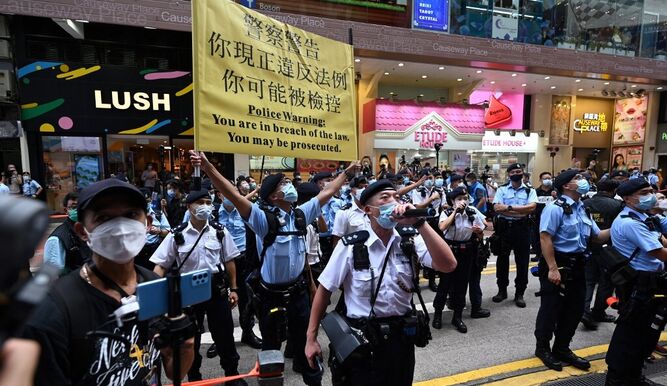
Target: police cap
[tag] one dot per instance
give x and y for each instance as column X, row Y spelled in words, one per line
column 322, row 175
column 358, row 181
column 374, row 188
column 460, row 191
column 564, row 177
column 110, row 185
column 620, row 173
column 307, row 191
column 269, row 185
column 514, row 166
column 195, row 195
column 629, row 187
column 455, row 177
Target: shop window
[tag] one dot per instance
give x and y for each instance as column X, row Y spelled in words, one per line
column 269, row 165
column 129, row 155
column 70, row 164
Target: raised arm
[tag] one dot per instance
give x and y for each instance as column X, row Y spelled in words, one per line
column 414, row 185
column 242, row 204
column 334, row 186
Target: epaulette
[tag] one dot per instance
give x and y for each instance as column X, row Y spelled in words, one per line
column 219, row 230
column 355, row 238
column 567, row 209
column 346, row 206
column 180, row 227
column 406, row 230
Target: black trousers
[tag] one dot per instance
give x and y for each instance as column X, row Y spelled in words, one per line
column 220, row 324
column 391, row 363
column 326, row 246
column 561, row 308
column 514, row 238
column 246, row 311
column 474, row 284
column 298, row 314
column 596, row 276
column 633, row 339
column 455, row 283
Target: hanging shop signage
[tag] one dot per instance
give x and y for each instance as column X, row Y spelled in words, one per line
column 591, row 123
column 65, row 98
column 519, row 143
column 264, row 87
column 432, row 15
column 505, row 110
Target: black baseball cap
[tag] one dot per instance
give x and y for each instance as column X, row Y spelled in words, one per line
column 110, row 185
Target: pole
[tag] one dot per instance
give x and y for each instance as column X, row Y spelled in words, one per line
column 261, row 171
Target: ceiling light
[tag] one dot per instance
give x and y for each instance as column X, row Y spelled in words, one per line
column 386, row 73
column 493, row 82
column 513, row 75
column 577, row 81
column 82, row 21
column 441, row 68
column 424, row 76
column 400, row 64
column 606, row 83
column 604, row 93
column 459, row 93
column 147, row 27
column 459, row 80
column 547, row 77
column 580, row 90
column 553, row 87
column 523, row 85
column 357, row 60
column 479, row 71
column 421, row 95
column 659, row 88
column 633, row 86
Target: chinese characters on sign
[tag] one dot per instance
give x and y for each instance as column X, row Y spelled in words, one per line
column 432, row 15
column 592, row 122
column 265, row 87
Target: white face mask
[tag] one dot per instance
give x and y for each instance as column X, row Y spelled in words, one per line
column 203, row 212
column 119, row 239
column 357, row 193
column 462, row 201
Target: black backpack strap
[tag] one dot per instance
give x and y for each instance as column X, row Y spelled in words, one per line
column 407, row 245
column 274, row 231
column 360, row 257
column 219, row 230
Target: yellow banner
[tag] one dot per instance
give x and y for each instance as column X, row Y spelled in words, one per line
column 264, row 87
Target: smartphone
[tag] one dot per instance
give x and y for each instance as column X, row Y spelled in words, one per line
column 153, row 295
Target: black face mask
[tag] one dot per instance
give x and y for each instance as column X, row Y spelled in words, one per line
column 516, row 177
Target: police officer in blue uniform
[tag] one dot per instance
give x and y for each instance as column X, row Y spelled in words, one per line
column 513, row 203
column 280, row 285
column 329, row 210
column 637, row 236
column 565, row 230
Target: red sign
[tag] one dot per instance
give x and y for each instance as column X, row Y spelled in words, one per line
column 497, row 113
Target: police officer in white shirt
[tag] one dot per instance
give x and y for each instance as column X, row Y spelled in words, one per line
column 462, row 224
column 385, row 278
column 352, row 219
column 213, row 249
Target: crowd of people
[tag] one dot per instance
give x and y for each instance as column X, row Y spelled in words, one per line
column 279, row 249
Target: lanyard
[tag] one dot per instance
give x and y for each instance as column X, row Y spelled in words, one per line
column 109, row 282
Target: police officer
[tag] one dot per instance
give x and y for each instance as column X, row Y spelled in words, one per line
column 565, row 230
column 604, row 209
column 379, row 291
column 545, row 194
column 281, row 288
column 329, row 210
column 205, row 245
column 462, row 224
column 352, row 219
column 635, row 235
column 230, row 218
column 513, row 203
column 64, row 248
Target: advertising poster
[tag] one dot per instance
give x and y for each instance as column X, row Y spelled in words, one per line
column 630, row 120
column 559, row 133
column 626, row 157
column 431, row 15
column 263, row 87
column 505, row 19
column 460, row 160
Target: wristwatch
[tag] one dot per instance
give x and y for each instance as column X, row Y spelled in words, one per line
column 509, row 208
column 235, row 290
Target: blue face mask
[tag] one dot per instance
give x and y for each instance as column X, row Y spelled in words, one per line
column 647, row 201
column 171, row 193
column 428, row 183
column 439, row 182
column 582, row 186
column 406, row 181
column 290, row 193
column 226, row 202
column 384, row 220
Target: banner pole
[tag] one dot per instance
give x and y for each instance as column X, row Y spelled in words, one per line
column 261, row 171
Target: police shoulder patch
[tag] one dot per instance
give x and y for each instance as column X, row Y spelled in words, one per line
column 406, row 230
column 216, row 225
column 180, row 227
column 355, row 238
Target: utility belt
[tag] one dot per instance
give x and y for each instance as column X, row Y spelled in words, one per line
column 411, row 328
column 502, row 224
column 645, row 289
column 570, row 260
column 282, row 291
column 462, row 245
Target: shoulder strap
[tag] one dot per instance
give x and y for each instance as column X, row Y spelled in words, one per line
column 374, row 294
column 219, row 230
column 360, row 257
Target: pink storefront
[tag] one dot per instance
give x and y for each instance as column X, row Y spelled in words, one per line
column 407, row 129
